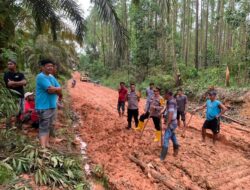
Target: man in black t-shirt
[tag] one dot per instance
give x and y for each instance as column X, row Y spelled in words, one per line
column 15, row 81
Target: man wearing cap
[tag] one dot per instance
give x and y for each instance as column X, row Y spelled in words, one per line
column 30, row 113
column 47, row 90
column 214, row 111
column 15, row 81
column 156, row 105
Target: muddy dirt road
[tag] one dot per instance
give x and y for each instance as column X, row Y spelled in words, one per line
column 198, row 166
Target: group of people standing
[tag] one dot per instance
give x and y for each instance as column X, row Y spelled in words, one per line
column 39, row 107
column 171, row 109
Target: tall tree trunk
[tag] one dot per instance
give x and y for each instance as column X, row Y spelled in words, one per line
column 217, row 25
column 187, row 34
column 197, row 35
column 201, row 32
column 125, row 21
column 103, row 45
column 173, row 36
column 183, row 29
column 191, row 26
column 220, row 32
column 206, row 36
column 212, row 18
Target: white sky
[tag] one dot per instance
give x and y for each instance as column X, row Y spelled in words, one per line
column 85, row 5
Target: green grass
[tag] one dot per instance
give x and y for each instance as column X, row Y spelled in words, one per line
column 6, row 174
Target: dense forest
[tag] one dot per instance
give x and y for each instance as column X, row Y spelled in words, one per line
column 30, row 31
column 166, row 40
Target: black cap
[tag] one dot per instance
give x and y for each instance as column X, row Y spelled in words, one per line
column 212, row 93
column 46, row 61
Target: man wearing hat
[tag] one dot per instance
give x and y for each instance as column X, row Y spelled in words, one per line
column 156, row 105
column 30, row 113
column 47, row 90
column 15, row 81
column 214, row 111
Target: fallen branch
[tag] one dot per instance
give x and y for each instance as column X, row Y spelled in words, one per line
column 233, row 120
column 165, row 180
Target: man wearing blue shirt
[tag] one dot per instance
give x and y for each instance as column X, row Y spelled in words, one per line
column 214, row 111
column 47, row 90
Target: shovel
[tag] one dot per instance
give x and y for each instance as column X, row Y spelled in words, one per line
column 190, row 119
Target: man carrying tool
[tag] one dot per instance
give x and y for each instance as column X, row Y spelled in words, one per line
column 133, row 98
column 149, row 95
column 181, row 100
column 156, row 105
column 215, row 109
column 122, row 91
column 171, row 124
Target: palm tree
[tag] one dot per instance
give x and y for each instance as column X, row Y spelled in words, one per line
column 55, row 12
column 54, row 15
column 52, row 12
column 108, row 14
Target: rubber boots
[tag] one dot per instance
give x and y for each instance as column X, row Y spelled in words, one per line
column 164, row 153
column 157, row 136
column 176, row 150
column 140, row 126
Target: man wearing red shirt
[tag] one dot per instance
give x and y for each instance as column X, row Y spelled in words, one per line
column 30, row 113
column 122, row 91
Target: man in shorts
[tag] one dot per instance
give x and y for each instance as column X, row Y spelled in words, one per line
column 47, row 90
column 181, row 100
column 214, row 111
column 122, row 91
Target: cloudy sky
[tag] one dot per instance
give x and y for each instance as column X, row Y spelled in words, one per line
column 85, row 5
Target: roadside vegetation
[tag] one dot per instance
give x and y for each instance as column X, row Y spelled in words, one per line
column 196, row 40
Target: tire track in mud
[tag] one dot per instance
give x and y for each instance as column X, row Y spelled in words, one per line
column 225, row 166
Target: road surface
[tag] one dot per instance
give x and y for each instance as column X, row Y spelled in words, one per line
column 225, row 166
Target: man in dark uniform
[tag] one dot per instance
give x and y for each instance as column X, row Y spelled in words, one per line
column 15, row 81
column 133, row 110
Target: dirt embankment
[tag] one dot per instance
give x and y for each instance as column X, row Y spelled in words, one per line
column 198, row 166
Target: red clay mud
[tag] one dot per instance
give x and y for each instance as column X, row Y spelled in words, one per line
column 198, row 166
